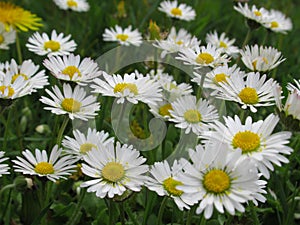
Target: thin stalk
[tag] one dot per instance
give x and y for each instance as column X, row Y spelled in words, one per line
column 203, row 220
column 247, row 38
column 161, row 210
column 6, row 129
column 75, row 214
column 190, row 216
column 19, row 52
column 122, row 213
column 61, row 130
column 9, row 186
column 131, row 216
column 254, row 214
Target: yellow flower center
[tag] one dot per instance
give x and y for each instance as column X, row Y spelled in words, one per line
column 1, row 39
column 44, row 168
column 274, row 24
column 14, row 77
column 122, row 37
column 179, row 42
column 72, row 3
column 70, row 71
column 176, row 12
column 223, row 44
column 11, row 91
column 216, row 181
column 52, row 45
column 86, row 147
column 257, row 13
column 113, row 172
column 204, row 58
column 220, row 77
column 164, row 110
column 170, row 184
column 120, row 87
column 71, row 105
column 247, row 141
column 249, row 95
column 192, row 116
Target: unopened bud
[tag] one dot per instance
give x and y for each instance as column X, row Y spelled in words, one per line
column 154, row 31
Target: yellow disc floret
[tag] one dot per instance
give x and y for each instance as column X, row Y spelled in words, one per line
column 11, row 91
column 192, row 116
column 70, row 71
column 1, row 39
column 86, row 147
column 14, row 77
column 72, row 3
column 164, row 110
column 52, row 45
column 204, row 58
column 44, row 168
column 257, row 13
column 223, row 44
column 170, row 185
column 120, row 87
column 220, row 77
column 176, row 12
column 248, row 96
column 113, row 172
column 274, row 24
column 216, row 181
column 71, row 105
column 247, row 141
column 122, row 37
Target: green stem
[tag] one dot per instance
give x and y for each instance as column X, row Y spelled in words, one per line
column 76, row 214
column 61, row 130
column 254, row 214
column 122, row 213
column 110, row 212
column 190, row 216
column 203, row 220
column 131, row 216
column 19, row 52
column 6, row 129
column 9, row 186
column 247, row 38
column 161, row 210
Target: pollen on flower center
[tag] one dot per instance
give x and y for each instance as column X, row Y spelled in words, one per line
column 204, row 58
column 170, row 184
column 11, row 91
column 248, row 95
column 257, row 13
column 14, row 77
column 164, row 110
column 70, row 71
column 71, row 105
column 44, row 168
column 220, row 77
column 52, row 45
column 192, row 116
column 113, row 172
column 216, row 181
column 179, row 42
column 1, row 39
column 86, row 147
column 247, row 141
column 122, row 37
column 176, row 12
column 223, row 44
column 72, row 3
column 274, row 24
column 120, row 87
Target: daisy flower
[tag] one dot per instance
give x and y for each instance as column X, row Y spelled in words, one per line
column 256, row 91
column 83, row 143
column 255, row 140
column 161, row 109
column 220, row 181
column 178, row 11
column 172, row 90
column 124, row 37
column 192, row 115
column 114, row 169
column 176, row 41
column 76, row 104
column 278, row 22
column 18, row 18
column 133, row 87
column 53, row 167
column 75, row 5
column 164, row 180
column 3, row 167
column 42, row 44
column 222, row 42
column 6, row 37
column 9, row 90
column 262, row 58
column 71, row 68
column 203, row 56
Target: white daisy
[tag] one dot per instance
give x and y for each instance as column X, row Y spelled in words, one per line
column 42, row 44
column 74, row 103
column 71, row 68
column 83, row 143
column 6, row 37
column 75, row 5
column 222, row 42
column 115, row 169
column 161, row 109
column 278, row 22
column 253, row 92
column 3, row 167
column 178, row 11
column 176, row 41
column 253, row 13
column 124, row 37
column 192, row 115
column 203, row 56
column 172, row 90
column 262, row 58
column 164, row 180
column 255, row 139
column 133, row 87
column 53, row 167
column 219, row 181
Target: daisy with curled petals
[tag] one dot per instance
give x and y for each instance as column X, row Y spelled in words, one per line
column 203, row 56
column 192, row 115
column 278, row 22
column 261, row 58
column 177, row 11
column 42, row 44
column 252, row 13
column 75, row 5
column 255, row 91
column 3, row 167
column 124, row 37
column 255, row 140
column 6, row 37
column 132, row 87
column 75, row 103
column 53, row 167
column 71, row 68
column 222, row 42
column 219, row 180
column 114, row 169
column 83, row 143
column 176, row 41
